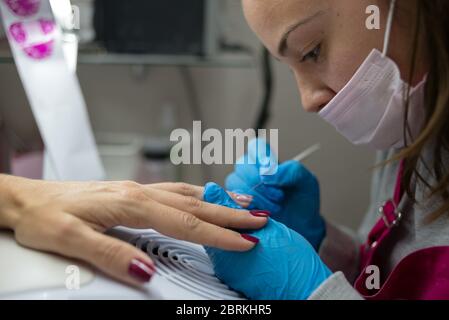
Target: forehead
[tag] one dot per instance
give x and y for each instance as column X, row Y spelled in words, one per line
column 270, row 18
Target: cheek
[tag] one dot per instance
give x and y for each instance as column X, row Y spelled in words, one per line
column 341, row 62
column 338, row 71
column 348, row 43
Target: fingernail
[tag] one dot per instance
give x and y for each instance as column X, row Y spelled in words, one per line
column 243, row 198
column 250, row 238
column 141, row 271
column 260, row 213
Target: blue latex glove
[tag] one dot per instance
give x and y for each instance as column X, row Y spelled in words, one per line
column 292, row 195
column 282, row 266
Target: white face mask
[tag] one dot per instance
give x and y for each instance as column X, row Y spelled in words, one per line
column 370, row 109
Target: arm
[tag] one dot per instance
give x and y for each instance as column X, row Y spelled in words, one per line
column 336, row 287
column 70, row 218
column 9, row 203
column 340, row 251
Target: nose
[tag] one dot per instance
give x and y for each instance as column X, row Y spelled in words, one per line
column 315, row 95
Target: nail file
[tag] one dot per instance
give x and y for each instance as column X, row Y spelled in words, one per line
column 52, row 89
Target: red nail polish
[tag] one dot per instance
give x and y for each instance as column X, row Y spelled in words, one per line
column 250, row 238
column 260, row 213
column 141, row 271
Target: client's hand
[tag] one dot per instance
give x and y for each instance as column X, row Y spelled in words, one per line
column 69, row 218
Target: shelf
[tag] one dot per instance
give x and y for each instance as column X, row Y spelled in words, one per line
column 94, row 55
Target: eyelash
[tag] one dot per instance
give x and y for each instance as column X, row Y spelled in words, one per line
column 314, row 54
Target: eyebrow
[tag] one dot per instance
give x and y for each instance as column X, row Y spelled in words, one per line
column 283, row 46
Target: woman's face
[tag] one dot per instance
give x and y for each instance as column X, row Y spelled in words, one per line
column 324, row 42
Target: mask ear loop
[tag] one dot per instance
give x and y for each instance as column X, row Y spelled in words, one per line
column 388, row 27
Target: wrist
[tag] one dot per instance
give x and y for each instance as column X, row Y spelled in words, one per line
column 322, row 274
column 321, row 236
column 11, row 202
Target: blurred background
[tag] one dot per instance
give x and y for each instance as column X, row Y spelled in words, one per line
column 147, row 68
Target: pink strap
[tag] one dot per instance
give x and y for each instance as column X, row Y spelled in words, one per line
column 398, row 191
column 382, row 228
column 422, row 275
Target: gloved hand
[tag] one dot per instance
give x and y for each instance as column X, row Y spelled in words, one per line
column 292, row 194
column 283, row 265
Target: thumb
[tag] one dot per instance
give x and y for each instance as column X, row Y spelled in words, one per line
column 215, row 194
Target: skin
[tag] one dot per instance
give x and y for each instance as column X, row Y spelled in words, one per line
column 69, row 218
column 339, row 28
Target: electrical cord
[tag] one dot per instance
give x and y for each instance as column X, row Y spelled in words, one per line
column 267, row 76
column 264, row 113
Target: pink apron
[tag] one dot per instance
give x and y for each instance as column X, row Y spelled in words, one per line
column 422, row 275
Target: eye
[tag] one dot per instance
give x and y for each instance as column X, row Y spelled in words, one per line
column 314, row 54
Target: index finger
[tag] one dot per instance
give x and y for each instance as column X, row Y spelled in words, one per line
column 228, row 217
column 184, row 189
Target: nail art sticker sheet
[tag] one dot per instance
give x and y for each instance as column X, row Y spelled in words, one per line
column 52, row 89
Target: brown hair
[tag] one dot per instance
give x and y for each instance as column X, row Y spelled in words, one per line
column 432, row 25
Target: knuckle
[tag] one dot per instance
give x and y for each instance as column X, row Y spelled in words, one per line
column 130, row 184
column 194, row 203
column 135, row 194
column 66, row 228
column 190, row 222
column 109, row 253
column 185, row 189
column 102, row 186
column 65, row 231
